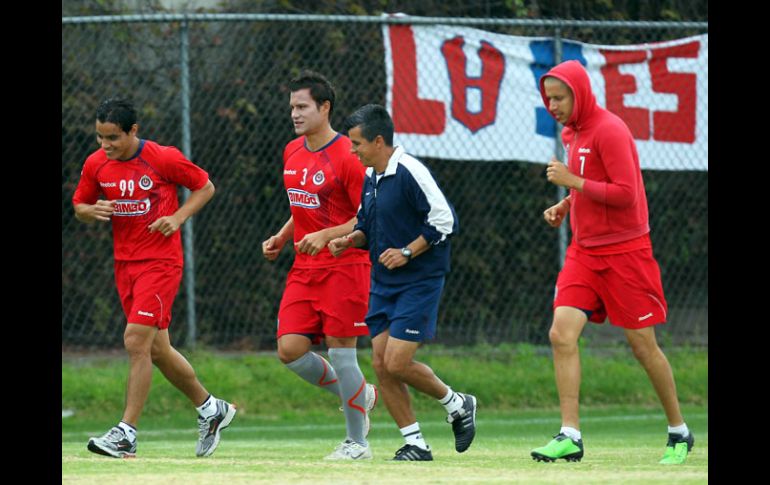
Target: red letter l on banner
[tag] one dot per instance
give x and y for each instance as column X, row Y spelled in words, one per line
column 410, row 113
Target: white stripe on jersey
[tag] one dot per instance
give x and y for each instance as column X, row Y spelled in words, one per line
column 440, row 215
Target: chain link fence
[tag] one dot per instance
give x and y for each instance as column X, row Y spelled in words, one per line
column 505, row 259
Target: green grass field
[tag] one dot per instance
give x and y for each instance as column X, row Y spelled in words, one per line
column 285, row 427
column 623, row 445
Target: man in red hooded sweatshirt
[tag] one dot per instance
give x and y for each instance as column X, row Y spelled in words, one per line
column 609, row 269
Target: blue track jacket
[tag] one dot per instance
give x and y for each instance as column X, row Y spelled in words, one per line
column 405, row 203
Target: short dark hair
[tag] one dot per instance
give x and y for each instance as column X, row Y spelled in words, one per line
column 374, row 120
column 117, row 110
column 321, row 89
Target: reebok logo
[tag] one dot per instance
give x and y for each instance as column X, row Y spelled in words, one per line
column 359, row 324
column 584, row 150
column 645, row 317
column 413, row 332
column 146, row 314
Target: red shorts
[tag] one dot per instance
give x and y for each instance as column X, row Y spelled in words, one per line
column 625, row 287
column 325, row 301
column 147, row 290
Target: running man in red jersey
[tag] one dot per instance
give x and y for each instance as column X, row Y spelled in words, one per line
column 325, row 297
column 609, row 269
column 138, row 180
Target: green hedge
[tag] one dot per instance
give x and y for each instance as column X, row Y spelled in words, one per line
column 502, row 377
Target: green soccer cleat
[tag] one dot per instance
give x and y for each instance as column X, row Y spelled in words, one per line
column 561, row 446
column 677, row 449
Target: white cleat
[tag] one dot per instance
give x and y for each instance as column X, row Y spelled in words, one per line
column 350, row 450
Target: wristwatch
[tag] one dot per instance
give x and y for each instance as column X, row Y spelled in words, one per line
column 406, row 252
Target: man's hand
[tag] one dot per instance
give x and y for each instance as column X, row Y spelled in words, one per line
column 101, row 211
column 312, row 243
column 555, row 214
column 338, row 245
column 559, row 174
column 167, row 225
column 392, row 258
column 271, row 247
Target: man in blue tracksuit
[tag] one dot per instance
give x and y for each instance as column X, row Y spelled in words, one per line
column 406, row 222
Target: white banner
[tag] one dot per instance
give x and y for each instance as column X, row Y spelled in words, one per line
column 465, row 94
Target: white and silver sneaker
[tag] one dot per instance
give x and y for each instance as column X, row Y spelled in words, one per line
column 350, row 450
column 113, row 443
column 209, row 428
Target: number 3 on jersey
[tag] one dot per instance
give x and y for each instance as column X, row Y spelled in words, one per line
column 304, row 176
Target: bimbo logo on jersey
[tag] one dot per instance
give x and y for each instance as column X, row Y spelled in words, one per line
column 131, row 207
column 301, row 198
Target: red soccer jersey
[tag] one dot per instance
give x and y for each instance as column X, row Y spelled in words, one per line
column 324, row 189
column 144, row 189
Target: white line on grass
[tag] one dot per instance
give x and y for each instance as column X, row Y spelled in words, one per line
column 426, row 424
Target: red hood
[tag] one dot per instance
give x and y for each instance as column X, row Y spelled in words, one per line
column 574, row 75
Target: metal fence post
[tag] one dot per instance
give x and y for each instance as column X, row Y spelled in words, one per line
column 561, row 192
column 187, row 229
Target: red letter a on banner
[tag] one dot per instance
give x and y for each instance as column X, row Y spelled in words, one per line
column 410, row 113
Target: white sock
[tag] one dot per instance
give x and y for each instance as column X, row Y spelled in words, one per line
column 413, row 436
column 452, row 401
column 681, row 430
column 571, row 432
column 129, row 430
column 209, row 407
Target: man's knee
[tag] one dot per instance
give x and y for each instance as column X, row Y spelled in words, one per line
column 159, row 353
column 287, row 355
column 643, row 344
column 567, row 325
column 291, row 347
column 562, row 339
column 397, row 367
column 644, row 349
column 137, row 343
column 378, row 363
